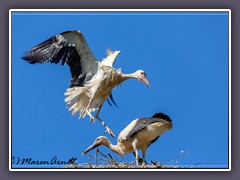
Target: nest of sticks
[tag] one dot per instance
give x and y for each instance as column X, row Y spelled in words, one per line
column 106, row 161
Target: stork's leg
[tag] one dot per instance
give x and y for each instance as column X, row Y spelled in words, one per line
column 144, row 160
column 91, row 117
column 86, row 110
column 140, row 160
column 135, row 152
column 137, row 157
column 103, row 123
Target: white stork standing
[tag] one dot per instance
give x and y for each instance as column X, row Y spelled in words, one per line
column 138, row 135
column 92, row 80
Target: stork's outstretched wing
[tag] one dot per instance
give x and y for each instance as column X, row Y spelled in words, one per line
column 70, row 48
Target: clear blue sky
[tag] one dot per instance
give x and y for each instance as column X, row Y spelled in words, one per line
column 185, row 56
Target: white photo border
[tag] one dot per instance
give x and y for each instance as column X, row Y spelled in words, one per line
column 118, row 10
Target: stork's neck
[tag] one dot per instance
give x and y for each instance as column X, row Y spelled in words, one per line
column 128, row 76
column 115, row 148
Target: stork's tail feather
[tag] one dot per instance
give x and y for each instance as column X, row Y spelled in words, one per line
column 162, row 116
column 166, row 118
column 77, row 100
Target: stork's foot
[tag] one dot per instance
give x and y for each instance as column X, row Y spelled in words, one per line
column 141, row 162
column 92, row 119
column 108, row 130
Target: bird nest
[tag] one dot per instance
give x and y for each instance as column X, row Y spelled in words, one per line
column 102, row 161
column 122, row 165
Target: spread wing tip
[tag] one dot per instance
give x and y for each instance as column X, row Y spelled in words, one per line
column 29, row 59
column 64, row 48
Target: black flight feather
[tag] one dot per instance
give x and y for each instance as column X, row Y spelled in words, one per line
column 54, row 50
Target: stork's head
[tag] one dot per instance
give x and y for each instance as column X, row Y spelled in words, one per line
column 142, row 77
column 101, row 140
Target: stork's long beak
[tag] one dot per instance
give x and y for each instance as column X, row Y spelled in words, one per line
column 94, row 145
column 144, row 80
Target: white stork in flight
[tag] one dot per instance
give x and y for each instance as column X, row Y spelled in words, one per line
column 92, row 80
column 138, row 135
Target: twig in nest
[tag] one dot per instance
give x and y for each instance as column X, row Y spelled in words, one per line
column 176, row 158
column 195, row 165
column 157, row 164
column 177, row 161
column 91, row 156
column 102, row 154
column 114, row 162
column 90, row 165
column 96, row 162
column 154, row 163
